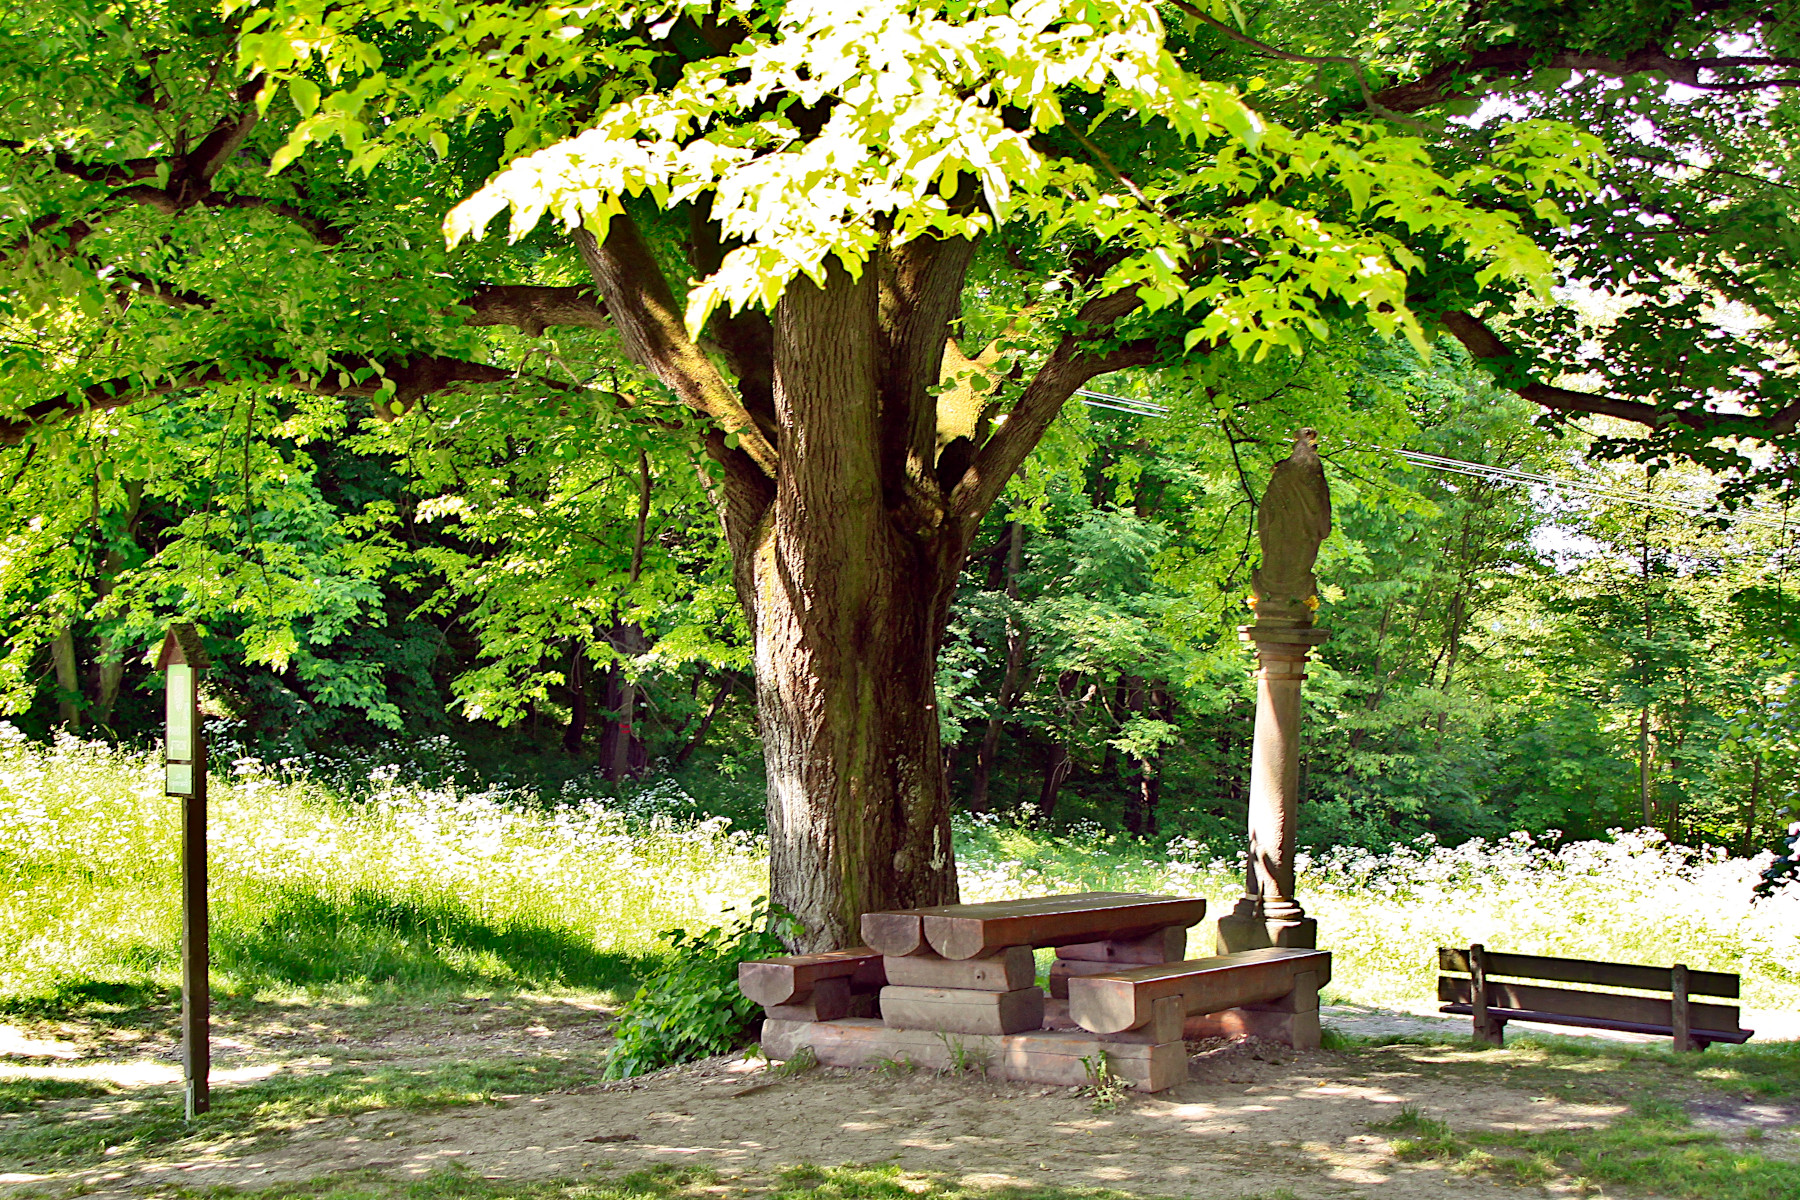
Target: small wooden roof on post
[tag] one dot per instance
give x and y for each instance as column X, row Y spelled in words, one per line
column 182, row 645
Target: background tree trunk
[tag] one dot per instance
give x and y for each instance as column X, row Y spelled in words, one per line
column 1009, row 683
column 109, row 657
column 578, row 702
column 68, row 680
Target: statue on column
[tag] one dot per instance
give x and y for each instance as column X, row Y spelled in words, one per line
column 1294, row 521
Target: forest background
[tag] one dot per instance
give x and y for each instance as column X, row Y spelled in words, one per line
column 1561, row 660
column 412, row 490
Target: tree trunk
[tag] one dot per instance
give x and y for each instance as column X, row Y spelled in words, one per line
column 109, row 657
column 848, row 522
column 848, row 613
column 1646, row 785
column 1749, row 842
column 1149, row 795
column 68, row 680
column 622, row 752
column 1056, row 770
column 578, row 702
column 706, row 719
column 1009, row 682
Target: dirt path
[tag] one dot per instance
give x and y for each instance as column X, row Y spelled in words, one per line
column 1254, row 1120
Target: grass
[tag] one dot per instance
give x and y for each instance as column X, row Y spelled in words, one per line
column 1655, row 1149
column 1598, row 1069
column 46, row 1135
column 1383, row 915
column 405, row 891
column 355, row 885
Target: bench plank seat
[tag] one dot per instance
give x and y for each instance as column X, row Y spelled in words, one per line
column 1737, row 1037
column 1600, row 1006
column 960, row 931
column 1121, row 1000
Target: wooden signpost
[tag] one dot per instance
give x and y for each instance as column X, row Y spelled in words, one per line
column 182, row 658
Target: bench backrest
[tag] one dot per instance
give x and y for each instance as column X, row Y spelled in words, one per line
column 1598, row 974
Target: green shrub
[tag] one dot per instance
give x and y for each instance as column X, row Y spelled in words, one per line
column 692, row 1008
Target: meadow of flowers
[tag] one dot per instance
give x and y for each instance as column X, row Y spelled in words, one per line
column 361, row 879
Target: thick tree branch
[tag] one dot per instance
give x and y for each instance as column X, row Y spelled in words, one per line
column 745, row 339
column 644, row 311
column 920, row 293
column 415, row 378
column 1484, row 345
column 1067, row 368
column 532, row 309
column 1449, row 82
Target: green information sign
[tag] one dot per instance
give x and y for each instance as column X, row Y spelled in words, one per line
column 178, row 744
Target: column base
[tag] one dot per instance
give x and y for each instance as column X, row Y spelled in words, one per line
column 1239, row 932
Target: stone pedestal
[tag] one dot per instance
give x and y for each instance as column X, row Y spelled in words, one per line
column 1268, row 914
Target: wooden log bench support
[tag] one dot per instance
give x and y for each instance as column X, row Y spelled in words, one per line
column 1038, row 1056
column 1272, row 994
column 1492, row 1004
column 814, row 987
column 1102, row 958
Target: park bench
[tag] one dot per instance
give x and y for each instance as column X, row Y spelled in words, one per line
column 957, row 987
column 1493, row 1003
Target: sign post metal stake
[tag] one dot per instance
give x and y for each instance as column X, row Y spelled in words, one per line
column 184, row 757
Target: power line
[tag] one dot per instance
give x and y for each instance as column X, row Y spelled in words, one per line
column 1695, row 507
column 1691, row 507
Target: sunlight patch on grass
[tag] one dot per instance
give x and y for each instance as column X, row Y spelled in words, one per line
column 410, row 891
column 1655, row 1149
column 138, row 1119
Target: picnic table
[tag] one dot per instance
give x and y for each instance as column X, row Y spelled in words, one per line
column 957, row 985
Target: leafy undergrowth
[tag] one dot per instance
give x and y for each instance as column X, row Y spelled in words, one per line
column 1655, row 1149
column 40, row 1132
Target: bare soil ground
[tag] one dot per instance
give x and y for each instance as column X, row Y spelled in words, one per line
column 1254, row 1119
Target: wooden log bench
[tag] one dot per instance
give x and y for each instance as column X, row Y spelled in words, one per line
column 958, row 988
column 1492, row 1004
column 969, row 969
column 1272, row 994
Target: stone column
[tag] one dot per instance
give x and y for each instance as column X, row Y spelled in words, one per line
column 1268, row 914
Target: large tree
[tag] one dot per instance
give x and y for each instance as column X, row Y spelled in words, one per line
column 785, row 211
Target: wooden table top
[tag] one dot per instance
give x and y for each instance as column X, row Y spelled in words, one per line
column 970, row 930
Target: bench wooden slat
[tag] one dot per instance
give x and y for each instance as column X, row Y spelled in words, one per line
column 1121, row 1000
column 1604, row 1006
column 1599, row 974
column 776, row 981
column 967, row 931
column 1739, row 1036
